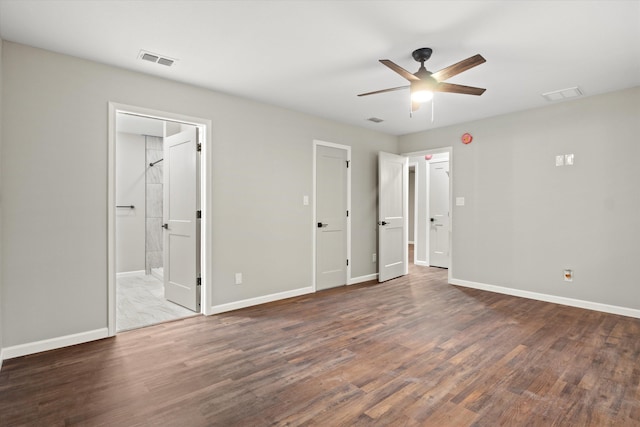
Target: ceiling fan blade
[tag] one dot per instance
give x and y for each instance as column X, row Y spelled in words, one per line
column 452, row 88
column 384, row 90
column 398, row 69
column 458, row 67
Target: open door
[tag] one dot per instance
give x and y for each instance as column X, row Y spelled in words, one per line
column 439, row 214
column 393, row 178
column 181, row 234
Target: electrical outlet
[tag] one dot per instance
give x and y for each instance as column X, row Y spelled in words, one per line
column 568, row 275
column 374, row 258
column 238, row 278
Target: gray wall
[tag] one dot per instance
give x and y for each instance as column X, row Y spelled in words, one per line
column 55, row 189
column 525, row 219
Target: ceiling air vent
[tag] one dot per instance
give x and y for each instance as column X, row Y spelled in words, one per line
column 158, row 59
column 165, row 61
column 558, row 95
column 375, row 120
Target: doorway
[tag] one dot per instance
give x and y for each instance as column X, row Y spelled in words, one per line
column 332, row 220
column 158, row 163
column 433, row 239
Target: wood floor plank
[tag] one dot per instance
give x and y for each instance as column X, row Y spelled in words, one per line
column 413, row 351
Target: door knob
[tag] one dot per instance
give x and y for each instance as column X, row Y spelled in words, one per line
column 320, row 225
column 433, row 219
column 382, row 222
column 165, row 226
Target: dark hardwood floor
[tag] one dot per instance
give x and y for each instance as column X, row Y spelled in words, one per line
column 413, row 351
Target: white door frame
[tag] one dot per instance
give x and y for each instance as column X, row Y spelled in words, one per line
column 451, row 212
column 415, row 206
column 206, row 244
column 347, row 148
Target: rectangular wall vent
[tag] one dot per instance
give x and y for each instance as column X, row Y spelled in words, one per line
column 158, row 59
column 375, row 120
column 558, row 95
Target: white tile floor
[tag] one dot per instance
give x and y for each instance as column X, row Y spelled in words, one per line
column 140, row 303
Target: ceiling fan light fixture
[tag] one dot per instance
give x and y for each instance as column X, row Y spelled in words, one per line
column 421, row 91
column 422, row 96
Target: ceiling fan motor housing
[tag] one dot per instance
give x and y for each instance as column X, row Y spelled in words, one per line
column 423, row 54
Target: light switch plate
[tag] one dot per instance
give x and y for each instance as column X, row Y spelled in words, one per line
column 305, row 200
column 568, row 159
column 459, row 201
column 560, row 160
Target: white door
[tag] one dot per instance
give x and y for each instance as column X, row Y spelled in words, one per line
column 331, row 217
column 439, row 214
column 393, row 173
column 181, row 234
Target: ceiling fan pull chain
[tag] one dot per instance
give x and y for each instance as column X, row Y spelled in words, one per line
column 433, row 103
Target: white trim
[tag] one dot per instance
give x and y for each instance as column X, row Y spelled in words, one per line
column 130, row 273
column 361, row 279
column 422, row 263
column 589, row 305
column 54, row 343
column 236, row 305
column 1, row 357
column 206, row 188
column 316, row 143
column 415, row 207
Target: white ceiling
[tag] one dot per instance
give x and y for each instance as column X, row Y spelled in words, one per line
column 314, row 56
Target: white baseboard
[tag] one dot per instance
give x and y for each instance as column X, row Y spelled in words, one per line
column 421, row 263
column 596, row 306
column 53, row 343
column 361, row 279
column 130, row 273
column 1, row 357
column 222, row 308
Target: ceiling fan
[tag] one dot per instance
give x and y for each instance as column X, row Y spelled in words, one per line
column 423, row 82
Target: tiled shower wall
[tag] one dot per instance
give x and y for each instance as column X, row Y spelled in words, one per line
column 154, row 196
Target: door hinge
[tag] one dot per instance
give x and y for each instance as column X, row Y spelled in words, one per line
column 347, row 213
column 347, row 262
column 348, row 163
column 198, row 293
column 198, row 214
column 199, row 146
